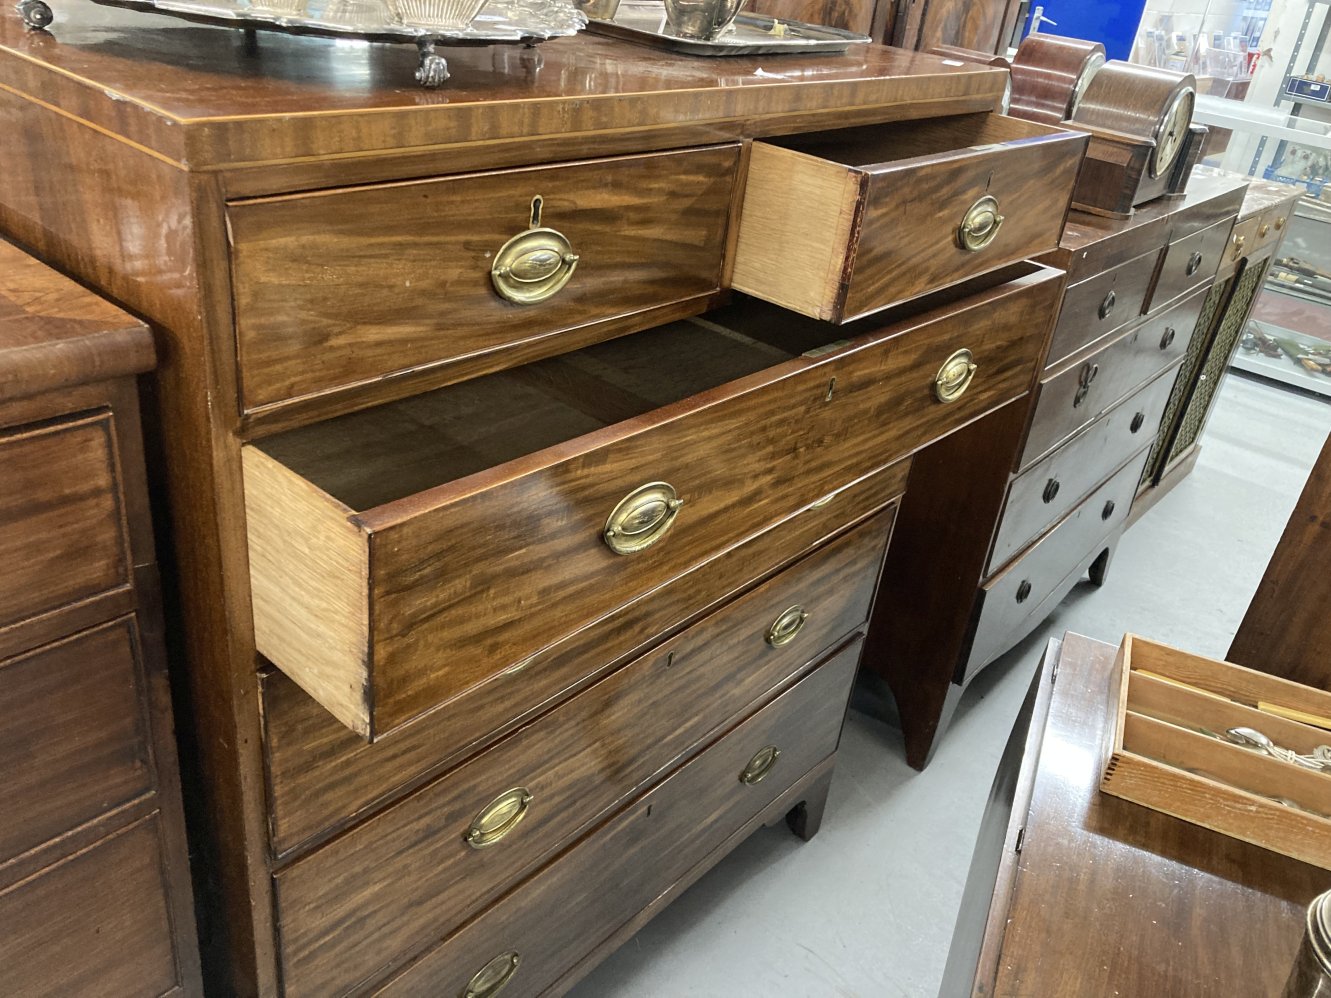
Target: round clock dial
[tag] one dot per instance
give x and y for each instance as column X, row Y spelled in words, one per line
column 1171, row 132
column 1093, row 64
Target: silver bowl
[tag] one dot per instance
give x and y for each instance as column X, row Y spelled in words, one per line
column 701, row 19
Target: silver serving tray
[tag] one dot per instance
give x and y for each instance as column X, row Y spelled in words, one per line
column 523, row 22
column 750, row 34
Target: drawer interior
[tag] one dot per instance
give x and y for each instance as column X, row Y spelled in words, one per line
column 378, row 456
column 865, row 148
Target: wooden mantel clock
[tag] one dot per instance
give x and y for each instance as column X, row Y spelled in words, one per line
column 1050, row 75
column 1143, row 142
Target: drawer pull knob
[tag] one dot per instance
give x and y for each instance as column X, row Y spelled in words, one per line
column 1261, row 233
column 1138, row 420
column 1050, row 490
column 642, row 518
column 979, row 226
column 1238, row 244
column 498, row 818
column 1167, row 340
column 955, row 376
column 1024, row 591
column 535, row 264
column 786, row 626
column 1280, row 224
column 494, row 976
column 1107, row 305
column 1088, row 374
column 760, row 765
column 1108, row 511
column 1194, row 264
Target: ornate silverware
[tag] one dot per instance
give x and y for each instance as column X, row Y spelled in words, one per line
column 701, row 19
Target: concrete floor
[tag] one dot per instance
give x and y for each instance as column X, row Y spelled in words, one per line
column 866, row 908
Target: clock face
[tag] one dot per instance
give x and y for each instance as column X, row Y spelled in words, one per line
column 1171, row 132
column 1083, row 81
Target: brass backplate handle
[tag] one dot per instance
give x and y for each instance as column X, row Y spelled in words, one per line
column 786, row 626
column 979, row 226
column 760, row 765
column 535, row 264
column 955, row 376
column 642, row 518
column 494, row 976
column 498, row 818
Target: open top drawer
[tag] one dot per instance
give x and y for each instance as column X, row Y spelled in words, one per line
column 403, row 556
column 840, row 224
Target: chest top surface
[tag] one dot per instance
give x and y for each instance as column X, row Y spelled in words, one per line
column 53, row 333
column 193, row 94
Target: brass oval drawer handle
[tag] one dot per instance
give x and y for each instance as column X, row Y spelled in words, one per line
column 642, row 518
column 786, row 626
column 535, row 264
column 760, row 765
column 979, row 226
column 955, row 376
column 498, row 818
column 1194, row 263
column 494, row 976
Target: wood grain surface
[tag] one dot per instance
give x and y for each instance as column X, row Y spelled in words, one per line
column 63, row 531
column 70, row 929
column 396, row 883
column 549, row 919
column 1189, row 263
column 876, row 220
column 1080, row 322
column 1045, row 73
column 348, row 286
column 1285, row 631
column 742, row 456
column 324, row 777
column 76, row 743
column 1095, row 872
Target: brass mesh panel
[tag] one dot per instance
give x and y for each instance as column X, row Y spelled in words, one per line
column 1231, row 327
column 1192, row 360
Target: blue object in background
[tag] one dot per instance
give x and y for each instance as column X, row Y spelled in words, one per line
column 1113, row 23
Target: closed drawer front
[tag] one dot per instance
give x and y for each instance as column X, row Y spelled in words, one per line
column 553, row 919
column 1270, row 227
column 1042, row 495
column 322, row 776
column 74, row 743
column 1100, row 305
column 839, row 225
column 63, row 536
column 341, row 287
column 1191, row 262
column 378, row 580
column 1073, row 397
column 409, row 876
column 94, row 924
column 1040, row 577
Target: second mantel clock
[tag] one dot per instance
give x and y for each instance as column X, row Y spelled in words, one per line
column 1143, row 142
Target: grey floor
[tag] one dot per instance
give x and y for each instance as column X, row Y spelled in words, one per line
column 866, row 908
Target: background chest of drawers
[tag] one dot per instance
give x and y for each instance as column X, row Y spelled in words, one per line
column 1031, row 522
column 489, row 601
column 94, row 877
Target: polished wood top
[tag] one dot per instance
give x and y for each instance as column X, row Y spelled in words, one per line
column 193, row 95
column 1113, row 898
column 54, row 334
column 1261, row 194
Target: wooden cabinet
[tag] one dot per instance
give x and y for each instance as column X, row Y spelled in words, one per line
column 94, row 881
column 509, row 612
column 1041, row 514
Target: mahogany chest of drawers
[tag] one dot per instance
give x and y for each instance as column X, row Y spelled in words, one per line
column 516, row 596
column 94, row 877
column 1033, row 521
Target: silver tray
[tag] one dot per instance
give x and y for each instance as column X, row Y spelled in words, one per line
column 750, row 34
column 519, row 22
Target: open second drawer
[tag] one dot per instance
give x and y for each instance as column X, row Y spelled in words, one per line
column 405, row 555
column 840, row 224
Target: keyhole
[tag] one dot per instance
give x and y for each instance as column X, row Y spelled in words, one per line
column 537, row 203
column 831, row 388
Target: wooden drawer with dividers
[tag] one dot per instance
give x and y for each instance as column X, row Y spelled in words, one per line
column 838, row 225
column 416, row 872
column 404, row 556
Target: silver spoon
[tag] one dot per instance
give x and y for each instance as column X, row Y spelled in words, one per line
column 1254, row 739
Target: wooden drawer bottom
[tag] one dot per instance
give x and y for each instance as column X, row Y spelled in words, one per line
column 1023, row 594
column 547, row 925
